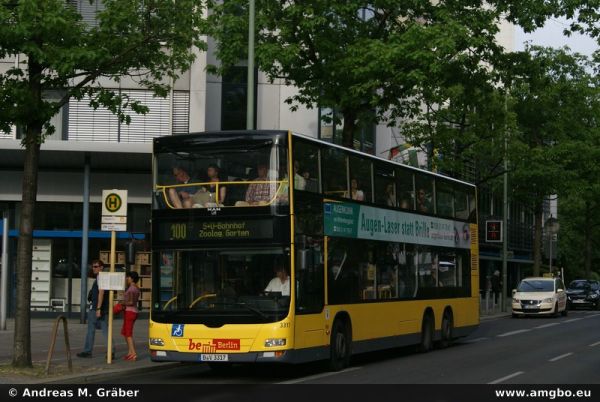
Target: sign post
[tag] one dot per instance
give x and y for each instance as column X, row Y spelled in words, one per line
column 114, row 219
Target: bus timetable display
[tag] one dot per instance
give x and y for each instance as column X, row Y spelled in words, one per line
column 215, row 230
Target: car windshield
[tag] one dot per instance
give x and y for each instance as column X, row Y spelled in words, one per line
column 536, row 285
column 579, row 285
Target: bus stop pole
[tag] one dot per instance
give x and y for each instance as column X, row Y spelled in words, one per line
column 4, row 279
column 504, row 230
column 113, row 246
column 250, row 90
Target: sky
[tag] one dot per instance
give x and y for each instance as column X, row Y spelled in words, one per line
column 551, row 35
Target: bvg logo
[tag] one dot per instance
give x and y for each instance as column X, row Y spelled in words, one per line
column 216, row 345
column 113, row 202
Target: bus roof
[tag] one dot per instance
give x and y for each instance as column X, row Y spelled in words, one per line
column 197, row 135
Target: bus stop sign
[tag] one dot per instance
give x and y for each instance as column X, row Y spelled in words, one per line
column 114, row 210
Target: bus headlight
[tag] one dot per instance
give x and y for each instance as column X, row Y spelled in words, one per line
column 269, row 343
column 157, row 342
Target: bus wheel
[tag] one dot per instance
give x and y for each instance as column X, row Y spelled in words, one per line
column 447, row 330
column 426, row 334
column 339, row 347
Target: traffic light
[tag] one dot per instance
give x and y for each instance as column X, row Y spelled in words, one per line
column 493, row 231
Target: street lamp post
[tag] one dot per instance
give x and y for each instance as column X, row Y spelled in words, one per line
column 250, row 90
column 552, row 227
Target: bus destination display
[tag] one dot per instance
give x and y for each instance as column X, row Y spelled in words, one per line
column 215, row 230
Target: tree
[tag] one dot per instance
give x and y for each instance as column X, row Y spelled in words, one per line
column 552, row 93
column 149, row 40
column 369, row 61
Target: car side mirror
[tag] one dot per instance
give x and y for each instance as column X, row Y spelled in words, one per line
column 559, row 290
column 514, row 291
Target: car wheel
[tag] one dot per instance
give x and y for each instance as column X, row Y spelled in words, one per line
column 555, row 313
column 598, row 305
column 565, row 312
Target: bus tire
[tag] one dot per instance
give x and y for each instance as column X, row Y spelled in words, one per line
column 340, row 346
column 427, row 329
column 447, row 330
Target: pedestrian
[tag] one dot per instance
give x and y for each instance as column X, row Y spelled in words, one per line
column 496, row 285
column 97, row 312
column 131, row 297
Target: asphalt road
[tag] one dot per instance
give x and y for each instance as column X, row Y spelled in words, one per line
column 537, row 350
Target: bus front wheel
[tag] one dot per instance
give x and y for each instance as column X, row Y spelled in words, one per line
column 339, row 347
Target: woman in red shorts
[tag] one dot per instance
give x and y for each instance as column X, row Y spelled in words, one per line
column 132, row 295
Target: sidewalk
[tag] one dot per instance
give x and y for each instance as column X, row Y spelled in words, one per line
column 84, row 369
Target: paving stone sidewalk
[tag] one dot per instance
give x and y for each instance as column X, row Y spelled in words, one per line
column 85, row 370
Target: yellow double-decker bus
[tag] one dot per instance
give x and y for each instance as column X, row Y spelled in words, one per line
column 270, row 246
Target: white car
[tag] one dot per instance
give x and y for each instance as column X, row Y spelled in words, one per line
column 539, row 296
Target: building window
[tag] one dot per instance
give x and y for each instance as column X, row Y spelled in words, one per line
column 234, row 98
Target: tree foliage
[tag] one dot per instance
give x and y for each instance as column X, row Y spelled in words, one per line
column 370, row 61
column 63, row 57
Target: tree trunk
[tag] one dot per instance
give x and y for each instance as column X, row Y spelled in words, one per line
column 22, row 345
column 348, row 129
column 33, row 139
column 537, row 238
column 588, row 241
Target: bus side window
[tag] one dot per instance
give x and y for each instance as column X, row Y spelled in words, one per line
column 306, row 167
column 405, row 188
column 335, row 178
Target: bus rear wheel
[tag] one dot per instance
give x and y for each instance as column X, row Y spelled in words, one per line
column 339, row 347
column 447, row 330
column 426, row 334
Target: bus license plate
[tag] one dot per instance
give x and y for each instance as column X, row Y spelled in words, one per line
column 220, row 357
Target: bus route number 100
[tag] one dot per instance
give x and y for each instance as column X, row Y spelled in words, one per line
column 178, row 231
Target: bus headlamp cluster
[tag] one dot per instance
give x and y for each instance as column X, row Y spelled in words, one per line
column 157, row 342
column 273, row 342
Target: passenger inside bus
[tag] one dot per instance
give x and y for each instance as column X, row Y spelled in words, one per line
column 281, row 282
column 423, row 203
column 259, row 193
column 181, row 197
column 356, row 193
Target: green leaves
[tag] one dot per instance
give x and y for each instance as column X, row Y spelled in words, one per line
column 148, row 40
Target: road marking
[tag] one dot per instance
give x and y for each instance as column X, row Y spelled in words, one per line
column 508, row 377
column 594, row 344
column 573, row 319
column 520, row 331
column 316, row 376
column 548, row 325
column 475, row 340
column 560, row 357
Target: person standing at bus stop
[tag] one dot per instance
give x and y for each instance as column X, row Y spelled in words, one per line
column 97, row 312
column 132, row 295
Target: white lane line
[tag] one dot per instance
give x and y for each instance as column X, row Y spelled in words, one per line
column 547, row 325
column 573, row 319
column 594, row 344
column 508, row 377
column 476, row 340
column 316, row 376
column 520, row 331
column 560, row 357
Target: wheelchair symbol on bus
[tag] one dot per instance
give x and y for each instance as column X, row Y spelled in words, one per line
column 177, row 330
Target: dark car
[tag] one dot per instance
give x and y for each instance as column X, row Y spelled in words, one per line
column 583, row 293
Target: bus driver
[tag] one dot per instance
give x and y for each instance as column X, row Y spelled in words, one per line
column 281, row 282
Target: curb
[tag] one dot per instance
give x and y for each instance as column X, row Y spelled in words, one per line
column 495, row 316
column 107, row 376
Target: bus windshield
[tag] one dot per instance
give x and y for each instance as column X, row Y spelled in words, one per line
column 224, row 171
column 225, row 286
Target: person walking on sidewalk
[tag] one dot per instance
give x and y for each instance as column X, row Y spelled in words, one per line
column 97, row 312
column 132, row 295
